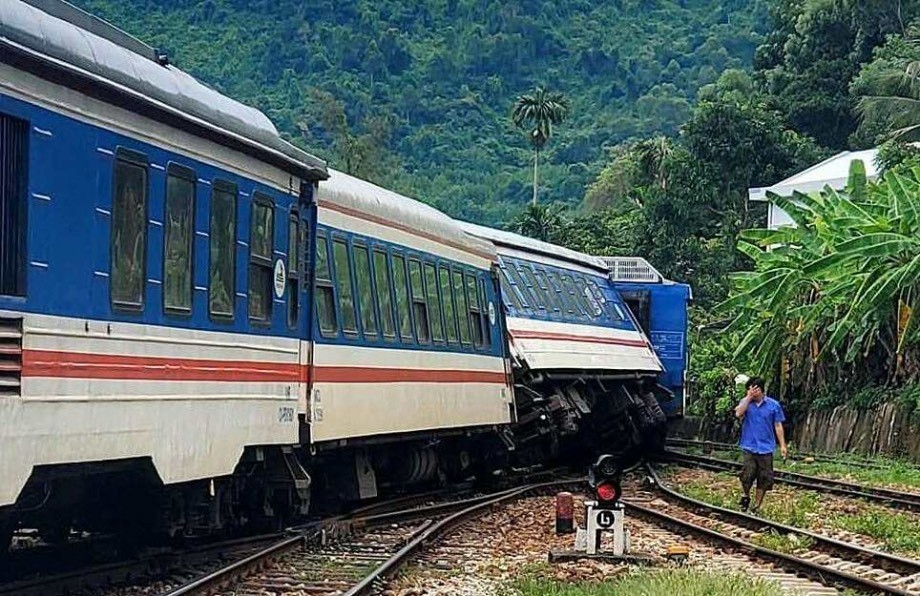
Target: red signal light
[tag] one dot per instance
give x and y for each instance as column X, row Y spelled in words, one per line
column 607, row 492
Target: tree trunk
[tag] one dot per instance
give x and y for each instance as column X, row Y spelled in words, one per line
column 536, row 157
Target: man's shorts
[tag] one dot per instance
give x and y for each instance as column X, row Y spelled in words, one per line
column 757, row 467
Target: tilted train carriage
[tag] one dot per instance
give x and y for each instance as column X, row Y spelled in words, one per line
column 201, row 326
column 584, row 369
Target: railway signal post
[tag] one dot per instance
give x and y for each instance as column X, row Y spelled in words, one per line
column 606, row 513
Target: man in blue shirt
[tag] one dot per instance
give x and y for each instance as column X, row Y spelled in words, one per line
column 761, row 424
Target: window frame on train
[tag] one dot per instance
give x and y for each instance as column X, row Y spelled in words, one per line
column 14, row 204
column 295, row 258
column 417, row 295
column 129, row 158
column 404, row 307
column 435, row 303
column 389, row 306
column 325, row 288
column 453, row 330
column 370, row 327
column 184, row 174
column 347, row 326
column 487, row 322
column 467, row 340
column 225, row 189
column 475, row 310
column 261, row 260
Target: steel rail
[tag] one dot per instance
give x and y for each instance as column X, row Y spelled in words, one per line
column 892, row 498
column 392, row 564
column 456, row 512
column 884, row 561
column 859, row 462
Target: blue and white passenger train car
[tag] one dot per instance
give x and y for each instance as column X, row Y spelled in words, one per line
column 408, row 337
column 580, row 359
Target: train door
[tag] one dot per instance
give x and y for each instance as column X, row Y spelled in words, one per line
column 639, row 303
column 300, row 312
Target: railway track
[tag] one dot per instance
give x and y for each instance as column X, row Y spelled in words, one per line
column 357, row 560
column 858, row 462
column 831, row 561
column 891, row 498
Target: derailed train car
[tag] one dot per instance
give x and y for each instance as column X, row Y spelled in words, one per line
column 584, row 371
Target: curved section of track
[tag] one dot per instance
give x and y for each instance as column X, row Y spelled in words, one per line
column 405, row 535
column 830, row 560
column 891, row 498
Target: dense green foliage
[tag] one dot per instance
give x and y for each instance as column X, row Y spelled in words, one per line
column 432, row 83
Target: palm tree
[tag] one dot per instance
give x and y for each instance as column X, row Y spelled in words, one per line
column 543, row 222
column 536, row 114
column 895, row 107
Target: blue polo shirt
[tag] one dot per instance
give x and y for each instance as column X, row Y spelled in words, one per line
column 757, row 434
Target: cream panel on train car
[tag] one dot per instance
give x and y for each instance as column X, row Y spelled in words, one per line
column 374, row 391
column 191, row 400
column 548, row 345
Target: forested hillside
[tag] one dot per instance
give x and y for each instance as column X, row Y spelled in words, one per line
column 427, row 87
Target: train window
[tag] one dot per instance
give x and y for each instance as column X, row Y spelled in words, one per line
column 365, row 292
column 552, row 298
column 431, row 287
column 593, row 307
column 261, row 240
column 609, row 307
column 556, row 286
column 179, row 222
column 129, row 230
column 569, row 289
column 509, row 292
column 342, row 262
column 535, row 289
column 486, row 321
column 222, row 272
column 463, row 308
column 402, row 298
column 419, row 304
column 384, row 294
column 14, row 159
column 450, row 312
column 293, row 268
column 523, row 292
column 325, row 298
column 472, row 296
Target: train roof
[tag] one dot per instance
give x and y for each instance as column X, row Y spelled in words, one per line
column 59, row 41
column 526, row 244
column 392, row 209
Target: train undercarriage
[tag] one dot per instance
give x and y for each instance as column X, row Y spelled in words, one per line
column 562, row 416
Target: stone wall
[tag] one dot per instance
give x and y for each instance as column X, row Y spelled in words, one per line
column 889, row 429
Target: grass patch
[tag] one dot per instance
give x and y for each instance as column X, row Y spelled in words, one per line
column 891, row 472
column 793, row 509
column 655, row 582
column 784, row 543
column 897, row 532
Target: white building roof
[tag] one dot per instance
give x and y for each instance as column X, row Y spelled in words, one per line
column 833, row 171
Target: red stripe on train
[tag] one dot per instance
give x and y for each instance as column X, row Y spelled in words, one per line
column 73, row 365
column 637, row 343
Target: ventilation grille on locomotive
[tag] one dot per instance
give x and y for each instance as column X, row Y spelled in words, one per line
column 10, row 357
column 634, row 269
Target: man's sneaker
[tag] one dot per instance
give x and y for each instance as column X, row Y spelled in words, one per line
column 745, row 503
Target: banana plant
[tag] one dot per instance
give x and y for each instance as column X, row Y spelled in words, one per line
column 837, row 294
